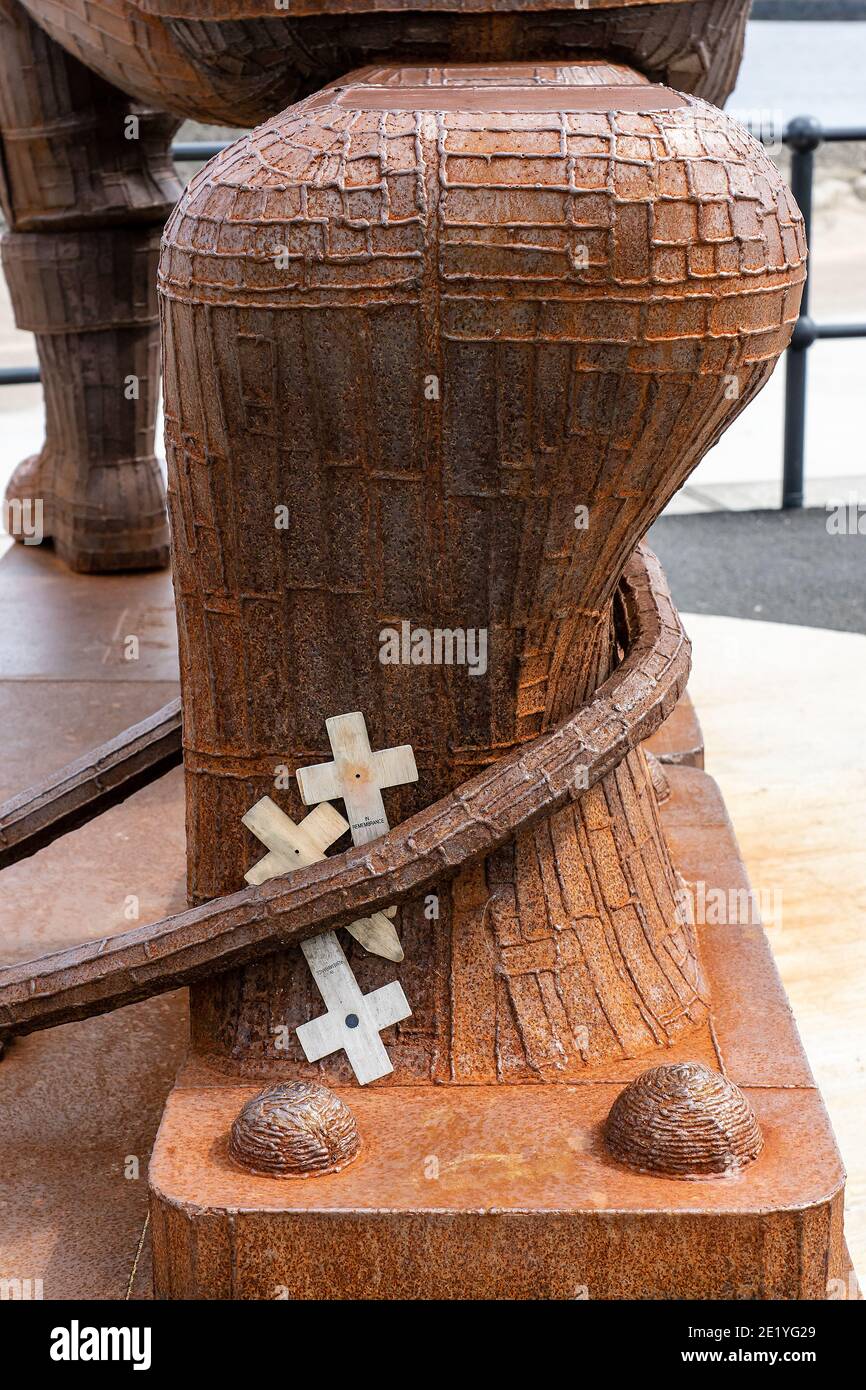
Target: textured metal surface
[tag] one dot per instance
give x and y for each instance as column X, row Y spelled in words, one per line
column 65, row 155
column 75, row 73
column 683, row 1119
column 525, row 1204
column 88, row 296
column 237, row 63
column 294, row 1130
column 236, row 9
column 83, row 1094
column 86, row 180
column 583, row 285
column 88, row 786
column 507, row 1192
column 680, row 739
column 660, row 783
column 516, row 791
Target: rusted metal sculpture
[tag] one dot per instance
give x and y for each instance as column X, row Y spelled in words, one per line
column 296, row 1129
column 440, row 342
column 84, row 789
column 479, row 816
column 582, row 269
column 85, row 205
column 90, row 94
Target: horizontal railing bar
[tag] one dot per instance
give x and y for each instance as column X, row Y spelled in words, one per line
column 19, row 376
column 839, row 134
column 199, row 149
column 840, row 330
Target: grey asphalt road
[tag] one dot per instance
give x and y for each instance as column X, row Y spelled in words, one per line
column 773, row 566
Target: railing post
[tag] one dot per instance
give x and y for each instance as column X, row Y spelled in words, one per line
column 803, row 136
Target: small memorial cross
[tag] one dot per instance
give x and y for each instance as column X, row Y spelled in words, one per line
column 358, row 776
column 353, row 1020
column 294, row 846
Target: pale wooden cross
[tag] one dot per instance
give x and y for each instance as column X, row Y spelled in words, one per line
column 354, row 1020
column 294, row 846
column 358, row 775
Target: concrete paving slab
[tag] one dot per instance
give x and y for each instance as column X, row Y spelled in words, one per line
column 55, row 625
column 781, row 708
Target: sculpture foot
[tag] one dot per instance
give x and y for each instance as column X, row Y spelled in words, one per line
column 24, row 502
column 117, row 522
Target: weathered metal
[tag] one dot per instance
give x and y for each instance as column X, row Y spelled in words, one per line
column 294, row 1130
column 239, row 61
column 90, row 785
column 464, row 328
column 595, row 278
column 492, row 807
column 86, row 181
column 509, row 1192
column 684, row 1119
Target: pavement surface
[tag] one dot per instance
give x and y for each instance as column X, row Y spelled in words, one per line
column 778, row 567
column 782, row 710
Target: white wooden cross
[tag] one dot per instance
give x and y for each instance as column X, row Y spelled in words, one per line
column 354, row 1020
column 358, row 775
column 294, row 846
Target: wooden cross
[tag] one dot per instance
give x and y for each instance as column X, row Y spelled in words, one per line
column 294, row 846
column 291, row 846
column 354, row 1020
column 358, row 775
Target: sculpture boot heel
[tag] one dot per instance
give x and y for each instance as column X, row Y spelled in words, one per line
column 90, row 298
column 120, row 523
column 119, row 526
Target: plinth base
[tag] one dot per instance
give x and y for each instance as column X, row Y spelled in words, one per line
column 507, row 1191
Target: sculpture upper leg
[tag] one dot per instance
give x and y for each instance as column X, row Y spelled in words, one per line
column 240, row 61
column 67, row 156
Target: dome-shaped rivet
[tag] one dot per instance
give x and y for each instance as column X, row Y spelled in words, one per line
column 684, row 1120
column 298, row 1129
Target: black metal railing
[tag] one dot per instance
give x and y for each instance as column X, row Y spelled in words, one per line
column 803, row 136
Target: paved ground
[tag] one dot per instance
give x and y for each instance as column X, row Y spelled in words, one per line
column 779, row 567
column 782, row 714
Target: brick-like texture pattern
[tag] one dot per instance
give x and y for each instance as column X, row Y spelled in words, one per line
column 477, row 820
column 237, row 62
column 66, row 158
column 598, row 295
column 89, row 296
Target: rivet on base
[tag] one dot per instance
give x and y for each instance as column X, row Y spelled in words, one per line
column 297, row 1129
column 683, row 1120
